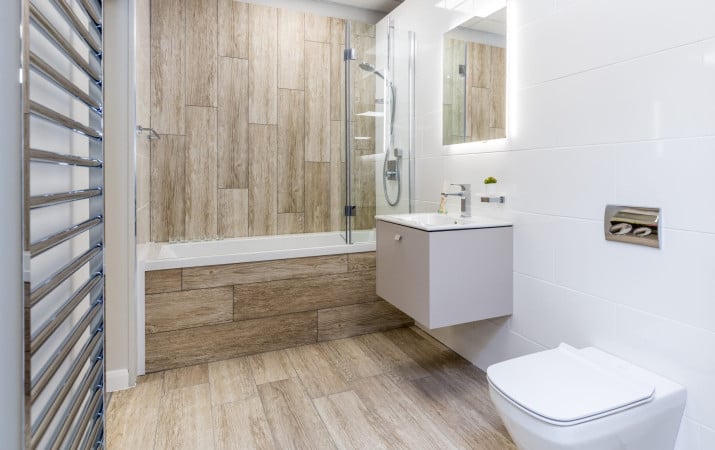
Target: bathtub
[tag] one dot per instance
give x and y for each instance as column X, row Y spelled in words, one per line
column 162, row 256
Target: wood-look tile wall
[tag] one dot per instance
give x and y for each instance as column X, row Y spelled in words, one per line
column 201, row 314
column 249, row 103
column 474, row 109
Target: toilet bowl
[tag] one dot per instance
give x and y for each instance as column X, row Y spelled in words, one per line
column 585, row 399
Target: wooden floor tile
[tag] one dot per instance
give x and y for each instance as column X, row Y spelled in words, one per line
column 316, row 373
column 292, row 416
column 350, row 360
column 241, row 425
column 271, row 366
column 185, row 417
column 231, row 380
column 186, row 376
column 349, row 422
column 390, row 357
column 142, row 401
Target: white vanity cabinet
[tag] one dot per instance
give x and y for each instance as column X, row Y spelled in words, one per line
column 447, row 277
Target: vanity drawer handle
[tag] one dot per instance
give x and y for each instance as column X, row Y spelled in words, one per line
column 398, row 237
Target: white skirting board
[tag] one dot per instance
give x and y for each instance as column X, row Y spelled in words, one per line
column 117, row 380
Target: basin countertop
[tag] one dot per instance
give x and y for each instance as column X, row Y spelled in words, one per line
column 442, row 222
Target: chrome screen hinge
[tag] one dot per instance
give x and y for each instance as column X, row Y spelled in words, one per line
column 349, row 210
column 349, row 54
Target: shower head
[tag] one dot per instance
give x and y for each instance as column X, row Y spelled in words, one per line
column 367, row 67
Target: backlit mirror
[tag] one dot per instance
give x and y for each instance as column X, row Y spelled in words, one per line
column 474, row 71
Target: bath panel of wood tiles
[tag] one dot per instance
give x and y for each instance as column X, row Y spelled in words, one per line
column 256, row 272
column 363, row 318
column 233, row 29
column 291, row 151
column 201, row 153
column 233, row 123
column 168, row 63
column 167, row 203
column 262, row 176
column 303, row 294
column 262, row 63
column 209, row 343
column 291, row 35
column 186, row 309
column 158, row 281
column 361, row 261
column 201, row 52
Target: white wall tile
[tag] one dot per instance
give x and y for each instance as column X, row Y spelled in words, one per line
column 595, row 33
column 673, row 175
column 707, row 438
column 566, row 182
column 431, row 175
column 664, row 95
column 688, row 436
column 534, row 245
column 676, row 281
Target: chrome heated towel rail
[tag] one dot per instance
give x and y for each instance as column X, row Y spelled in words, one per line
column 63, row 153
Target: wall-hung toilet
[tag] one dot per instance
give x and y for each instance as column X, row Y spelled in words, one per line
column 585, row 399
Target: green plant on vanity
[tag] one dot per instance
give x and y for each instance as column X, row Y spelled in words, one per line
column 490, row 180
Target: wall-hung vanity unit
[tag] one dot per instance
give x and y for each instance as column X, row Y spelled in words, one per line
column 444, row 271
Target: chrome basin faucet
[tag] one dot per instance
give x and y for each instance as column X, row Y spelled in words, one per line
column 466, row 195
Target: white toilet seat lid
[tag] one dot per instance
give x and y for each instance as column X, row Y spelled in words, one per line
column 568, row 386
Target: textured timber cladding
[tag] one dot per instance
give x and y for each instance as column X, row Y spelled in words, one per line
column 249, row 103
column 203, row 314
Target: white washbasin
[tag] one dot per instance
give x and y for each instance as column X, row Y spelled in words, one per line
column 441, row 222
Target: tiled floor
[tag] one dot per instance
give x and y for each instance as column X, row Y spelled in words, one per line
column 397, row 389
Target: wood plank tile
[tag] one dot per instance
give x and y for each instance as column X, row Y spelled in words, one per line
column 233, row 29
column 233, row 123
column 184, row 418
column 256, row 272
column 390, row 357
column 363, row 29
column 317, row 101
column 262, row 64
column 228, row 340
column 317, row 197
column 291, row 151
column 497, row 133
column 479, row 120
column 428, row 353
column 168, row 61
column 363, row 318
column 459, row 421
column 337, row 175
column 291, row 223
column 291, row 37
column 232, row 213
column 317, row 374
column 303, row 294
column 317, row 28
column 337, row 81
column 361, row 261
column 405, row 423
column 292, row 417
column 201, row 52
column 498, row 94
column 201, row 153
column 337, row 30
column 168, row 166
column 262, row 175
column 478, row 65
column 158, row 281
column 186, row 309
column 241, row 425
column 144, row 400
column 349, row 422
column 350, row 360
column 271, row 366
column 186, row 376
column 231, row 381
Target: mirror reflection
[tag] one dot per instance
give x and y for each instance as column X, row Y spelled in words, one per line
column 474, row 92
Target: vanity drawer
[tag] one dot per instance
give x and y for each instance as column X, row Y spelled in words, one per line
column 403, row 268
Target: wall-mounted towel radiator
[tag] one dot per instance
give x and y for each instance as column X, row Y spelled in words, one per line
column 63, row 223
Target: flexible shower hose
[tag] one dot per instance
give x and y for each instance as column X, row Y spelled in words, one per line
column 397, row 178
